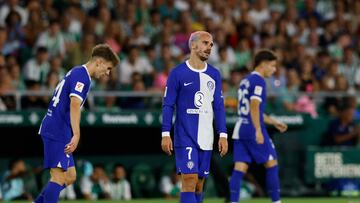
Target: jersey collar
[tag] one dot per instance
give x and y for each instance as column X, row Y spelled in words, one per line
column 87, row 71
column 256, row 73
column 196, row 70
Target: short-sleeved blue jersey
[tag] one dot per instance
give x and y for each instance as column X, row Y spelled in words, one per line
column 56, row 123
column 197, row 96
column 251, row 87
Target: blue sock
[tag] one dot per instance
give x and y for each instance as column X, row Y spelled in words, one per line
column 51, row 192
column 199, row 197
column 273, row 183
column 40, row 197
column 235, row 183
column 187, row 197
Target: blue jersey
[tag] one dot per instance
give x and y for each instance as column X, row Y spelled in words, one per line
column 56, row 123
column 197, row 96
column 251, row 87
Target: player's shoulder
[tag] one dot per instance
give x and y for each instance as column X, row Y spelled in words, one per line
column 79, row 72
column 255, row 78
column 212, row 70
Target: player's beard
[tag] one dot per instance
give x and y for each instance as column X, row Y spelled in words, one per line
column 203, row 56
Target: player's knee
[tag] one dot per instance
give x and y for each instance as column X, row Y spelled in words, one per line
column 58, row 176
column 200, row 185
column 189, row 182
column 241, row 166
column 271, row 163
column 70, row 179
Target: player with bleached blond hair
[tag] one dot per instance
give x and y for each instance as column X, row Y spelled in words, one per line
column 194, row 88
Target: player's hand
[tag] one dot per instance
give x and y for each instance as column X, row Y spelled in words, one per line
column 282, row 127
column 259, row 137
column 70, row 148
column 166, row 145
column 223, row 146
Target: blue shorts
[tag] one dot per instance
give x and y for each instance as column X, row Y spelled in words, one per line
column 54, row 155
column 191, row 160
column 248, row 151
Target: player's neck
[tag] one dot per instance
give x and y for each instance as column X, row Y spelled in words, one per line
column 196, row 63
column 261, row 72
column 91, row 68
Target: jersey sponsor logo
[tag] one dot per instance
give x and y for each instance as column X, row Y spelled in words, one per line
column 271, row 157
column 188, row 83
column 206, row 172
column 59, row 165
column 190, row 164
column 79, row 86
column 258, row 90
column 197, row 111
column 210, row 85
column 199, row 99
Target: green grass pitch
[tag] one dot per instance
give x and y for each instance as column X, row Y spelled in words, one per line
column 262, row 200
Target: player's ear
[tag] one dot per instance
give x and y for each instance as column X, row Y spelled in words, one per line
column 98, row 61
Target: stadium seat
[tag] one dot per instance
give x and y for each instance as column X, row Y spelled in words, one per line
column 142, row 181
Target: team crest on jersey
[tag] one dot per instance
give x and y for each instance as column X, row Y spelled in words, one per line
column 210, row 85
column 79, row 86
column 190, row 165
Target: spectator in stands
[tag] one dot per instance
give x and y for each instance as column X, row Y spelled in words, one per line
column 349, row 66
column 223, row 64
column 12, row 184
column 136, row 86
column 133, row 63
column 288, row 95
column 31, row 101
column 53, row 40
column 343, row 131
column 34, row 27
column 36, row 69
column 57, row 67
column 96, row 186
column 170, row 185
column 138, row 37
column 120, row 187
column 13, row 5
column 5, row 46
column 16, row 77
column 161, row 77
column 82, row 52
column 7, row 102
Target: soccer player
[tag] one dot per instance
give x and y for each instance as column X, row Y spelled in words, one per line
column 60, row 128
column 194, row 87
column 251, row 140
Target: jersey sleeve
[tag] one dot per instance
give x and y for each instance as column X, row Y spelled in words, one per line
column 170, row 97
column 79, row 84
column 219, row 108
column 257, row 88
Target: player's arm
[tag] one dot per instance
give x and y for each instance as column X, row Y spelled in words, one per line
column 220, row 116
column 75, row 113
column 282, row 127
column 255, row 118
column 170, row 97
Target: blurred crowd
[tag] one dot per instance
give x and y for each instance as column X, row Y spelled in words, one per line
column 111, row 181
column 317, row 43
